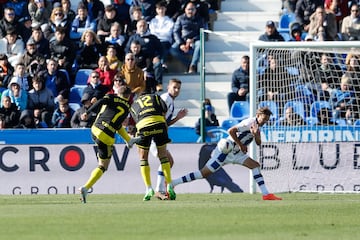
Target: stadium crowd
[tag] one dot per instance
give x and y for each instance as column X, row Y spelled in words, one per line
column 324, row 90
column 45, row 45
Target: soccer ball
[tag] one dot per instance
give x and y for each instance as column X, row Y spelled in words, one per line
column 225, row 145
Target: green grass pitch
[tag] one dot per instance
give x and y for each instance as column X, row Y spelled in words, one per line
column 191, row 216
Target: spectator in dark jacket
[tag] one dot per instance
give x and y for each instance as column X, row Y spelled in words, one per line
column 210, row 117
column 271, row 33
column 187, row 37
column 239, row 83
column 95, row 8
column 63, row 49
column 55, row 80
column 10, row 112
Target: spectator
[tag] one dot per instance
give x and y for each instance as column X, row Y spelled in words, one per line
column 41, row 101
column 12, row 45
column 104, row 24
column 213, row 8
column 17, row 95
column 95, row 90
column 22, row 75
column 77, row 120
column 68, row 12
column 40, row 11
column 81, row 23
column 123, row 12
column 210, row 117
column 173, row 9
column 304, row 9
column 144, row 62
column 55, row 80
column 151, row 47
column 111, row 55
column 19, row 6
column 62, row 115
column 187, row 37
column 105, row 72
column 324, row 117
column 147, row 7
column 25, row 28
column 271, row 33
column 323, row 25
column 291, row 118
column 136, row 15
column 328, row 72
column 288, row 6
column 352, row 63
column 343, row 100
column 10, row 112
column 240, row 83
column 117, row 38
column 8, row 21
column 202, row 9
column 57, row 19
column 339, row 8
column 350, row 26
column 295, row 32
column 33, row 61
column 275, row 83
column 42, row 44
column 133, row 75
column 27, row 120
column 6, row 71
column 162, row 27
column 95, row 9
column 63, row 49
column 89, row 51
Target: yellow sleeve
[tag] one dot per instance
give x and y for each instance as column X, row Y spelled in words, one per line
column 124, row 134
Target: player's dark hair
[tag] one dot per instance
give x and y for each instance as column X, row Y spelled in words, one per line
column 264, row 110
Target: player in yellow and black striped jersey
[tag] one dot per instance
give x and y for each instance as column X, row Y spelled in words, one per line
column 113, row 110
column 149, row 111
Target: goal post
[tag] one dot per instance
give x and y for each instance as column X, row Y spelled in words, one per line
column 315, row 85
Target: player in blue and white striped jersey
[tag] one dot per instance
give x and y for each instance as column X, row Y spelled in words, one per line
column 233, row 149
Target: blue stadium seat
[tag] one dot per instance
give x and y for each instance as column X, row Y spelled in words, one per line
column 317, row 106
column 304, row 94
column 285, row 20
column 74, row 106
column 228, row 123
column 274, row 109
column 82, row 76
column 311, row 121
column 76, row 94
column 357, row 122
column 67, row 75
column 298, row 107
column 240, row 110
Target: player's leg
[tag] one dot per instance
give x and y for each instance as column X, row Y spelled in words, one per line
column 216, row 161
column 165, row 165
column 104, row 154
column 258, row 177
column 160, row 190
column 145, row 172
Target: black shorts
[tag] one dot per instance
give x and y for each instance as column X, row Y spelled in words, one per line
column 157, row 132
column 104, row 150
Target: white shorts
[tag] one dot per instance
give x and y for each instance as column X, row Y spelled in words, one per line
column 216, row 160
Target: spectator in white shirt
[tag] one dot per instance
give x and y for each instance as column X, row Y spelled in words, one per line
column 162, row 27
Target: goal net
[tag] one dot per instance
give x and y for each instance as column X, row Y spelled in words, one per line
column 311, row 142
